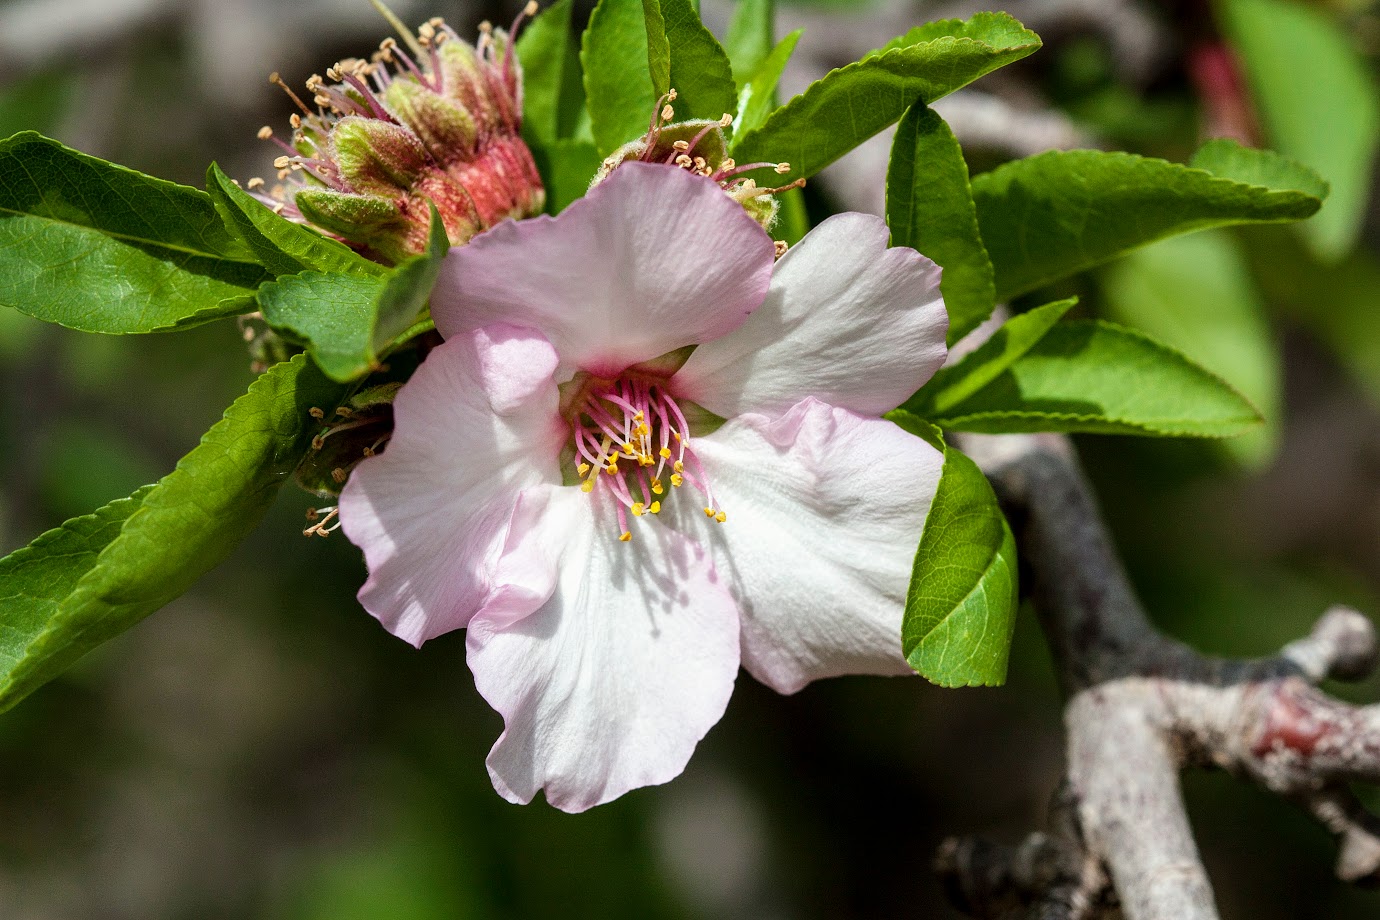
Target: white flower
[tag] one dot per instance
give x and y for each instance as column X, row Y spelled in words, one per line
column 557, row 483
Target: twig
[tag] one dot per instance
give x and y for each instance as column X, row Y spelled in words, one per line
column 1141, row 708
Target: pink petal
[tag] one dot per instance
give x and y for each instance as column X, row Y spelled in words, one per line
column 824, row 512
column 611, row 684
column 653, row 259
column 476, row 425
column 847, row 321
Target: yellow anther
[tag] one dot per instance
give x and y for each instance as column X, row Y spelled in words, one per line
column 632, row 451
column 611, row 469
column 677, row 480
column 638, row 416
column 665, row 453
column 676, row 435
column 656, row 508
column 708, row 512
column 625, row 536
column 721, row 517
column 643, row 429
column 582, row 468
column 265, row 133
column 657, row 487
column 678, row 467
column 587, row 485
column 645, row 460
column 638, row 509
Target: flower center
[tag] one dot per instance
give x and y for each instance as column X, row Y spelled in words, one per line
column 631, row 438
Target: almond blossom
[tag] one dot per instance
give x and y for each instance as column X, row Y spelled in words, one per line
column 649, row 452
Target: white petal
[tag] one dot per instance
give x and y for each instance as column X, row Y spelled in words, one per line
column 824, row 512
column 848, row 321
column 651, row 260
column 612, row 683
column 477, row 424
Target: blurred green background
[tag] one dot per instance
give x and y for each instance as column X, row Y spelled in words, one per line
column 262, row 749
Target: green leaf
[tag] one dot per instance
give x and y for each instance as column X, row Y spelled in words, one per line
column 849, row 105
column 1195, row 293
column 1089, row 376
column 96, row 576
column 929, row 207
column 348, row 321
column 618, row 78
column 1055, row 214
column 281, row 246
column 757, row 98
column 567, row 168
column 751, row 37
column 101, row 248
column 552, row 90
column 951, row 385
column 658, row 47
column 961, row 606
column 697, row 67
column 996, row 29
column 1226, row 159
column 1316, row 96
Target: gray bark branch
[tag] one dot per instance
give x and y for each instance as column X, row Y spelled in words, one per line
column 1142, row 707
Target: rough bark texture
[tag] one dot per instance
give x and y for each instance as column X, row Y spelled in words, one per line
column 1141, row 708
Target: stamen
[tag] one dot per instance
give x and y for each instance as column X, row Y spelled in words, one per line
column 320, row 528
column 276, row 80
column 624, row 431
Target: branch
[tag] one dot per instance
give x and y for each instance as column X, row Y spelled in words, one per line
column 1141, row 708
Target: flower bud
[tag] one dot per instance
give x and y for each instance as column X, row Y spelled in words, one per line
column 440, row 125
column 700, row 147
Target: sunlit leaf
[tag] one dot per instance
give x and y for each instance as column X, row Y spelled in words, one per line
column 96, row 576
column 929, row 207
column 849, row 105
column 1055, row 214
column 100, row 248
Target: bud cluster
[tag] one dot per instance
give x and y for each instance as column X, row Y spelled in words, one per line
column 440, row 124
column 701, row 147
